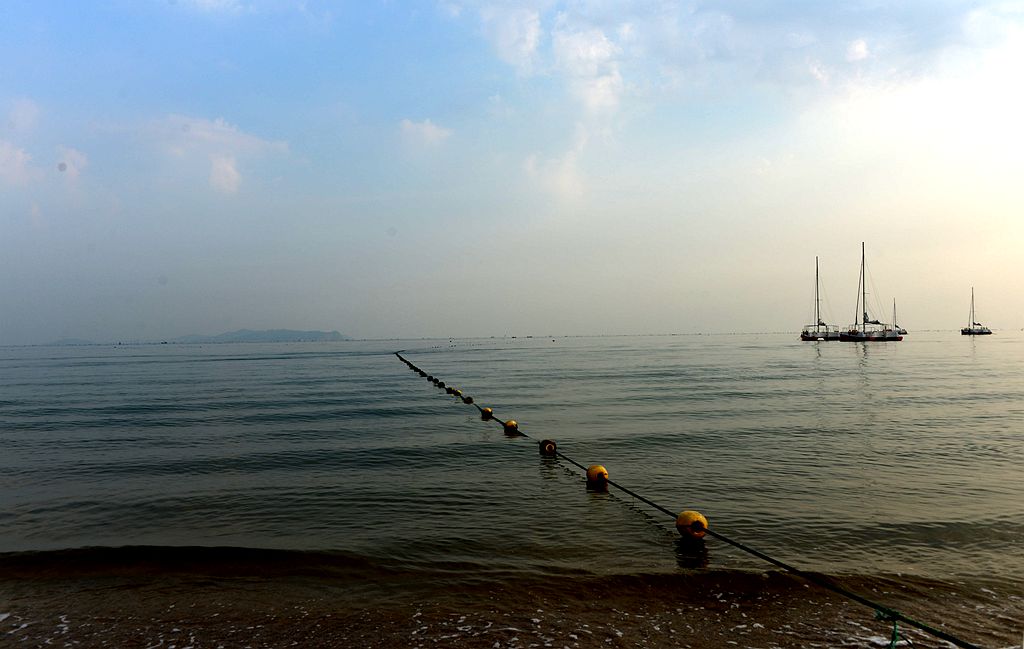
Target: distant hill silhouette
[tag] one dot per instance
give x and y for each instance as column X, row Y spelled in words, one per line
column 266, row 336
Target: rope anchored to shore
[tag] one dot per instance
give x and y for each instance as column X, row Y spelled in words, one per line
column 691, row 524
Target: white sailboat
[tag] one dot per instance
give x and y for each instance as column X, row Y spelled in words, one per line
column 864, row 329
column 900, row 330
column 975, row 328
column 819, row 330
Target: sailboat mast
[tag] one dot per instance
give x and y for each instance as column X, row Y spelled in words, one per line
column 817, row 301
column 863, row 287
column 971, row 323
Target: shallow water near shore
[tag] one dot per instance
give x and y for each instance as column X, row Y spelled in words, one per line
column 238, row 479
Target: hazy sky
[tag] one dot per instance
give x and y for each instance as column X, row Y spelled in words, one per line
column 463, row 168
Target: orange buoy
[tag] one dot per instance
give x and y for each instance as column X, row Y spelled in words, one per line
column 597, row 478
column 548, row 448
column 486, row 414
column 692, row 524
column 512, row 427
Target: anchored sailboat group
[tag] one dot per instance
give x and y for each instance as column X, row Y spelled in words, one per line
column 864, row 327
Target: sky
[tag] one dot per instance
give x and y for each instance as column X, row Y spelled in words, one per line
column 393, row 169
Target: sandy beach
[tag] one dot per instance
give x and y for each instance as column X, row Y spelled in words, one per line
column 699, row 610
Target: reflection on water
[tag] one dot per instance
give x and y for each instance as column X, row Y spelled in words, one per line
column 691, row 554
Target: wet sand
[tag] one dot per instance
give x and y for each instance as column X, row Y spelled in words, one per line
column 698, row 610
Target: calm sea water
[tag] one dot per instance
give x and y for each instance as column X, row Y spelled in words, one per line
column 849, row 459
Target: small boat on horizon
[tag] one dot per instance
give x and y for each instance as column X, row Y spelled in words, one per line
column 900, row 330
column 974, row 328
column 865, row 329
column 819, row 330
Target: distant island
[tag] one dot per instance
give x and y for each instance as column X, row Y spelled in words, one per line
column 266, row 336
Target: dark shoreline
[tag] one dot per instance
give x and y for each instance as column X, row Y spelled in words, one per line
column 255, row 604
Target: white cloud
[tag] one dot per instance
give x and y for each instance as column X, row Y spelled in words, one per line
column 71, row 161
column 499, row 107
column 453, row 9
column 181, row 135
column 584, row 53
column 601, row 93
column 425, row 132
column 215, row 144
column 515, row 34
column 818, row 71
column 23, row 115
column 224, row 174
column 627, row 33
column 215, row 6
column 560, row 176
column 589, row 59
column 15, row 165
column 800, row 39
column 857, row 50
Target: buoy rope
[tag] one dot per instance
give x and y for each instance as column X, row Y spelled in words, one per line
column 881, row 611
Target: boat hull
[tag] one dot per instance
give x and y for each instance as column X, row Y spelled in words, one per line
column 974, row 328
column 823, row 336
column 869, row 337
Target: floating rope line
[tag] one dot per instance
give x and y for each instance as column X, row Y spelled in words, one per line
column 695, row 524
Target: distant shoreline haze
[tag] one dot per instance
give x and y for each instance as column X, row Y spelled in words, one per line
column 292, row 335
column 239, row 336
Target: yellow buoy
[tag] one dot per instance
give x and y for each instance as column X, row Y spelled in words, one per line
column 511, row 427
column 597, row 478
column 450, row 390
column 548, row 448
column 486, row 414
column 692, row 524
column 457, row 393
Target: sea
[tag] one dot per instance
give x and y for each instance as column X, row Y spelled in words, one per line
column 325, row 494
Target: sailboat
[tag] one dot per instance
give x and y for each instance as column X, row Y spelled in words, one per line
column 900, row 330
column 819, row 330
column 975, row 328
column 864, row 329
